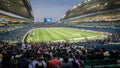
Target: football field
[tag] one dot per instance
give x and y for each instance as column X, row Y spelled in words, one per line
column 59, row 34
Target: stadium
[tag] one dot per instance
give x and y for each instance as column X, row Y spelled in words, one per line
column 87, row 36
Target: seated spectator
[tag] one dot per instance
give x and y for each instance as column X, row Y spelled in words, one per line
column 66, row 63
column 23, row 63
column 78, row 61
column 32, row 63
column 54, row 62
column 41, row 63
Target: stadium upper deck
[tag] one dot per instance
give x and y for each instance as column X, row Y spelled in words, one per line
column 93, row 7
column 15, row 11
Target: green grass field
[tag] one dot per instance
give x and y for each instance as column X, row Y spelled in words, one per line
column 57, row 34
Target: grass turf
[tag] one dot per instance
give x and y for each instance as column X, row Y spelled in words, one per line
column 54, row 34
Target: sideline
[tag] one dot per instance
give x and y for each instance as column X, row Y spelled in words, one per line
column 26, row 35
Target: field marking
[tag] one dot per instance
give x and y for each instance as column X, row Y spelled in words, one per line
column 50, row 35
column 78, row 39
column 26, row 35
column 57, row 37
column 63, row 36
column 70, row 33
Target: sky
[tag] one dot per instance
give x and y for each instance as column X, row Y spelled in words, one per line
column 54, row 9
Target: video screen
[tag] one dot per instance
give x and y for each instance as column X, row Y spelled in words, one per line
column 47, row 20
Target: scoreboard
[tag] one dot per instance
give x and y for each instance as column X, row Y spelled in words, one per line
column 47, row 20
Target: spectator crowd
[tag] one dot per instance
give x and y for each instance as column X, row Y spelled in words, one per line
column 51, row 55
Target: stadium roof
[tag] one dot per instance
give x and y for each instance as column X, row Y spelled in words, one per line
column 17, row 9
column 90, row 7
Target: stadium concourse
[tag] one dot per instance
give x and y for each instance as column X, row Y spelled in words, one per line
column 100, row 16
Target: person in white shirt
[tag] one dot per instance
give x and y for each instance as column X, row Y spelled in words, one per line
column 23, row 46
column 32, row 64
column 29, row 46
